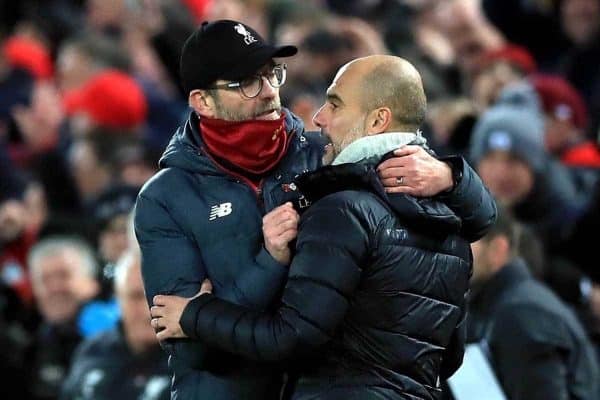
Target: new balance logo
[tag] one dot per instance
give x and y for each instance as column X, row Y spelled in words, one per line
column 219, row 211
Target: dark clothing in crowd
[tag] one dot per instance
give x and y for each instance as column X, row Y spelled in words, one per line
column 537, row 346
column 194, row 202
column 51, row 357
column 376, row 292
column 104, row 368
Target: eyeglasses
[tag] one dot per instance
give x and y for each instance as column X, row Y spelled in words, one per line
column 252, row 86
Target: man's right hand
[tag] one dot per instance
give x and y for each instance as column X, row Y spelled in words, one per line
column 280, row 226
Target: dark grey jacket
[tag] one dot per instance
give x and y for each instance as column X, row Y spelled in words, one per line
column 537, row 346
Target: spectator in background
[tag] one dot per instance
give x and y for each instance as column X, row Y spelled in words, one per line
column 566, row 122
column 111, row 100
column 537, row 347
column 469, row 33
column 580, row 65
column 508, row 151
column 16, row 237
column 111, row 213
column 498, row 68
column 63, row 275
column 125, row 362
column 82, row 57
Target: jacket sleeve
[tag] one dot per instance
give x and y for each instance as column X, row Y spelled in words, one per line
column 171, row 264
column 529, row 354
column 324, row 273
column 470, row 200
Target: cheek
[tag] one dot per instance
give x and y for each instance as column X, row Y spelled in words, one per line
column 523, row 178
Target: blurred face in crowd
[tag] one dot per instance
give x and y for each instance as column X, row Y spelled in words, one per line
column 134, row 309
column 113, row 239
column 73, row 68
column 90, row 175
column 580, row 19
column 233, row 105
column 509, row 178
column 559, row 134
column 13, row 218
column 342, row 118
column 488, row 84
column 490, row 254
column 61, row 284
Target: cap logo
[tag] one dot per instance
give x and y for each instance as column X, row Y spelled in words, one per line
column 563, row 112
column 500, row 140
column 248, row 38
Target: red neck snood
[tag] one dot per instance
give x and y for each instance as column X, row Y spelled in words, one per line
column 254, row 146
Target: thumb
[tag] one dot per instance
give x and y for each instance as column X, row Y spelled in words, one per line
column 406, row 150
column 205, row 288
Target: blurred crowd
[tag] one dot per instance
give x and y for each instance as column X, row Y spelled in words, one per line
column 90, row 96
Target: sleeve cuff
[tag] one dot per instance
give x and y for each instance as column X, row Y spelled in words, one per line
column 266, row 260
column 457, row 166
column 190, row 314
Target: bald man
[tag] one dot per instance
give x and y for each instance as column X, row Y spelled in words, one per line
column 374, row 305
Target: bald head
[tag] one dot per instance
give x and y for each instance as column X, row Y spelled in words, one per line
column 390, row 81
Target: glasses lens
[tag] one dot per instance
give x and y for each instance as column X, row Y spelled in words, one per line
column 251, row 86
column 277, row 75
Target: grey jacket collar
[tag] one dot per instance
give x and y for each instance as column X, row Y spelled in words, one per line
column 377, row 145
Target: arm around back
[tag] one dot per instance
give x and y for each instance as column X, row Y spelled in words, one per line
column 470, row 200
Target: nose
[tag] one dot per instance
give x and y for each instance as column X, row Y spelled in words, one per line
column 318, row 118
column 268, row 91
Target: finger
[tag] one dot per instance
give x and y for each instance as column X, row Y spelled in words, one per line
column 393, row 172
column 157, row 311
column 402, row 189
column 395, row 183
column 275, row 231
column 407, row 150
column 206, row 287
column 162, row 335
column 288, row 236
column 158, row 300
column 393, row 162
column 285, row 209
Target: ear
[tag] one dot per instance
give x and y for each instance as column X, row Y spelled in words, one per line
column 378, row 121
column 202, row 103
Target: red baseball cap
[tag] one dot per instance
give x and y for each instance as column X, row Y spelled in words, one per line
column 112, row 99
column 29, row 54
column 515, row 55
column 560, row 99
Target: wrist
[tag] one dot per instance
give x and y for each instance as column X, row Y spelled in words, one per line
column 456, row 173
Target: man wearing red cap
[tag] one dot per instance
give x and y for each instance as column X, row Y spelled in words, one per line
column 110, row 99
column 236, row 159
column 566, row 122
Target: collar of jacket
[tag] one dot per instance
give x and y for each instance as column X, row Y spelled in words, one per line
column 376, row 146
column 486, row 295
column 420, row 214
column 185, row 148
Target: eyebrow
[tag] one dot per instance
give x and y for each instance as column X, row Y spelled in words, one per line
column 334, row 97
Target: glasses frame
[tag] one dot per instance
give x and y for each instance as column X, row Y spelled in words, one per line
column 238, row 84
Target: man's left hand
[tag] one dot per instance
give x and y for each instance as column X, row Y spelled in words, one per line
column 414, row 171
column 166, row 312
